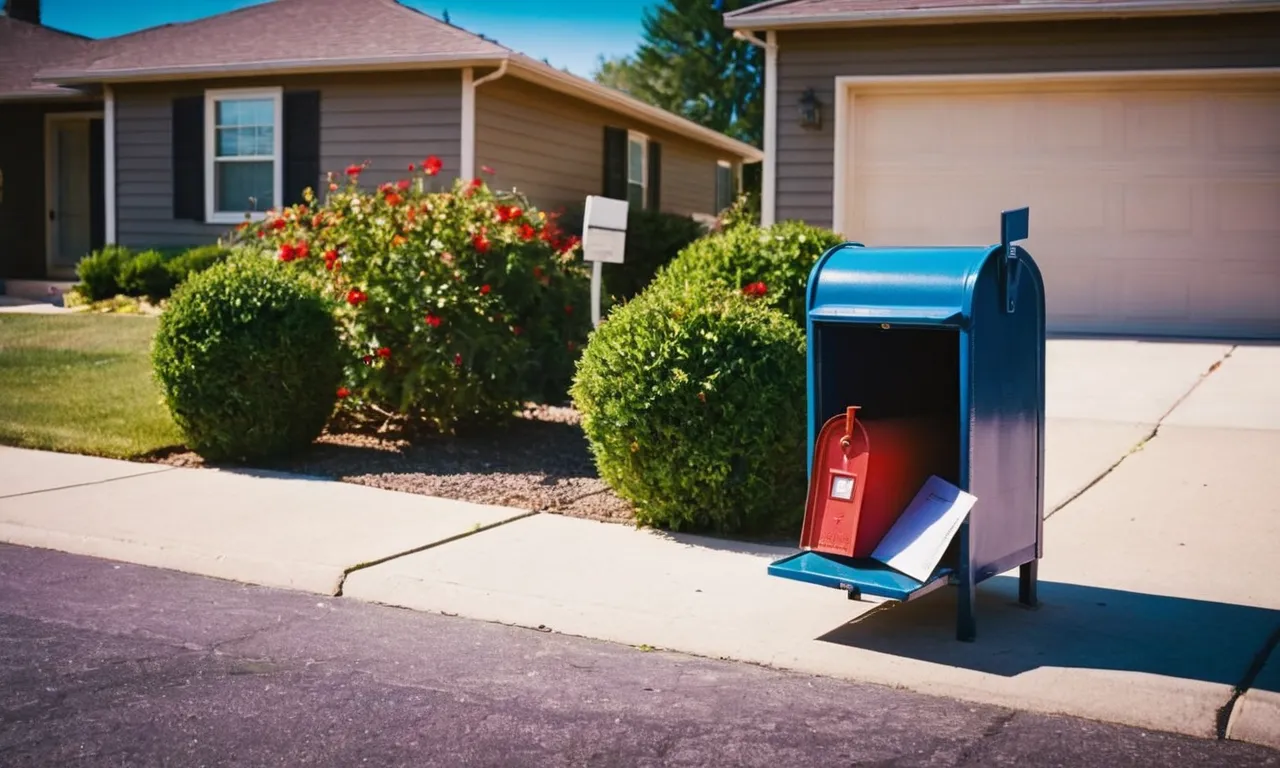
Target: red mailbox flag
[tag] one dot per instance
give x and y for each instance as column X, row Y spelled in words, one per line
column 865, row 473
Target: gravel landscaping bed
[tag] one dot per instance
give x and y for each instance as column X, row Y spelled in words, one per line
column 539, row 462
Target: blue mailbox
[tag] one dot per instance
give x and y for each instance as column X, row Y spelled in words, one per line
column 955, row 336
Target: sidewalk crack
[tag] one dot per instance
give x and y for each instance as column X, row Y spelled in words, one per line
column 93, row 482
column 342, row 582
column 1246, row 682
column 1155, row 432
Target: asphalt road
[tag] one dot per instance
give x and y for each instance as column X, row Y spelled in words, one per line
column 119, row 665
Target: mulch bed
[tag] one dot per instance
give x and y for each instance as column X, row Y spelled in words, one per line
column 539, row 462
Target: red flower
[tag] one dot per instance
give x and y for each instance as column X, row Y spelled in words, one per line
column 564, row 246
column 516, row 212
column 477, row 182
column 242, row 226
column 447, row 258
column 434, row 320
column 517, row 330
column 277, row 224
column 480, row 242
column 537, row 272
column 287, row 252
column 354, row 170
column 317, row 220
column 457, row 360
column 393, row 199
column 302, row 250
column 330, row 255
column 484, row 289
column 432, row 165
column 384, row 353
column 367, row 359
column 487, row 170
column 527, row 232
column 399, row 240
column 261, row 234
column 356, row 297
column 568, row 309
column 755, row 290
column 412, row 167
column 333, row 187
column 404, row 184
column 343, row 392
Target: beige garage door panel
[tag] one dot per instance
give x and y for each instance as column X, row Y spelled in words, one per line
column 1153, row 210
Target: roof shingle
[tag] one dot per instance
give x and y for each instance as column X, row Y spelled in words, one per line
column 25, row 48
column 787, row 12
column 284, row 32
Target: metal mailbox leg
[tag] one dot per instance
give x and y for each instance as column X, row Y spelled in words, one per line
column 1028, row 574
column 966, row 621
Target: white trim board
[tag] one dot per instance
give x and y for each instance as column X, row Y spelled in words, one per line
column 109, row 164
column 846, row 85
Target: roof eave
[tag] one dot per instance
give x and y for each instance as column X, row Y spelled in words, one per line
column 1047, row 11
column 52, row 94
column 254, row 69
column 602, row 96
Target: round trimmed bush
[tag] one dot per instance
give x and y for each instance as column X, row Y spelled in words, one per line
column 248, row 358
column 693, row 403
column 744, row 257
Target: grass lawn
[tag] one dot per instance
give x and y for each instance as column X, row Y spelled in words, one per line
column 81, row 384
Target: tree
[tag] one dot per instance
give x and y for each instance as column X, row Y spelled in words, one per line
column 689, row 64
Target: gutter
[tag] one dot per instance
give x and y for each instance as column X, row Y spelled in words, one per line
column 769, row 175
column 469, row 86
column 759, row 17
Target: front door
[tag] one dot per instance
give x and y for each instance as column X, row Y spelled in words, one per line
column 70, row 198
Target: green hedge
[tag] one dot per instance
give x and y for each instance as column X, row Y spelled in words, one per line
column 774, row 262
column 693, row 403
column 153, row 273
column 247, row 356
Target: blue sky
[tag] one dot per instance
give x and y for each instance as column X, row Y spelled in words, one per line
column 568, row 33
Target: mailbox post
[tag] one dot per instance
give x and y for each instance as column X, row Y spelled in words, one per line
column 953, row 337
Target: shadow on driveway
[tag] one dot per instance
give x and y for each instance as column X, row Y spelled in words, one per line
column 1074, row 627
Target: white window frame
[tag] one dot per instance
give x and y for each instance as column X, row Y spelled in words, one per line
column 644, row 166
column 734, row 183
column 211, row 99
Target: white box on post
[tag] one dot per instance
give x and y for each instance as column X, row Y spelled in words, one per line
column 604, row 238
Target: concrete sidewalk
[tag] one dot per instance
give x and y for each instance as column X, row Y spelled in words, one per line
column 1158, row 610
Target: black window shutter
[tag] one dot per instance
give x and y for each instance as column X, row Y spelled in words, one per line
column 654, row 203
column 97, row 181
column 615, row 163
column 301, row 143
column 188, row 158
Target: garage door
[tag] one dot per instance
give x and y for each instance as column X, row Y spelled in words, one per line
column 1155, row 205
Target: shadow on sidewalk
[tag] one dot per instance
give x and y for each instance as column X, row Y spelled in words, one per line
column 1075, row 627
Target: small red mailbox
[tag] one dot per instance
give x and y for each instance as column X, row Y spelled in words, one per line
column 865, row 473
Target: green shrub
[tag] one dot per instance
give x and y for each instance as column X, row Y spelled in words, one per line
column 248, row 359
column 455, row 305
column 99, row 272
column 774, row 262
column 145, row 275
column 653, row 240
column 194, row 260
column 693, row 403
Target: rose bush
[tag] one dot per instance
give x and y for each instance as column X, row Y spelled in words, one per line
column 456, row 304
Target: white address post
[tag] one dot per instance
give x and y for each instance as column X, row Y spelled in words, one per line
column 604, row 238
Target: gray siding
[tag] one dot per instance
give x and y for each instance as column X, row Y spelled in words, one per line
column 390, row 120
column 551, row 147
column 815, row 59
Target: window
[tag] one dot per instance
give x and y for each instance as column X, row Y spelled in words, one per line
column 637, row 169
column 243, row 150
column 726, row 185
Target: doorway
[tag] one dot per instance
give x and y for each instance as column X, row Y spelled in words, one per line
column 70, row 195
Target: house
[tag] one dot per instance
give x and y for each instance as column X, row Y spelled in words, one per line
column 168, row 136
column 1143, row 134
